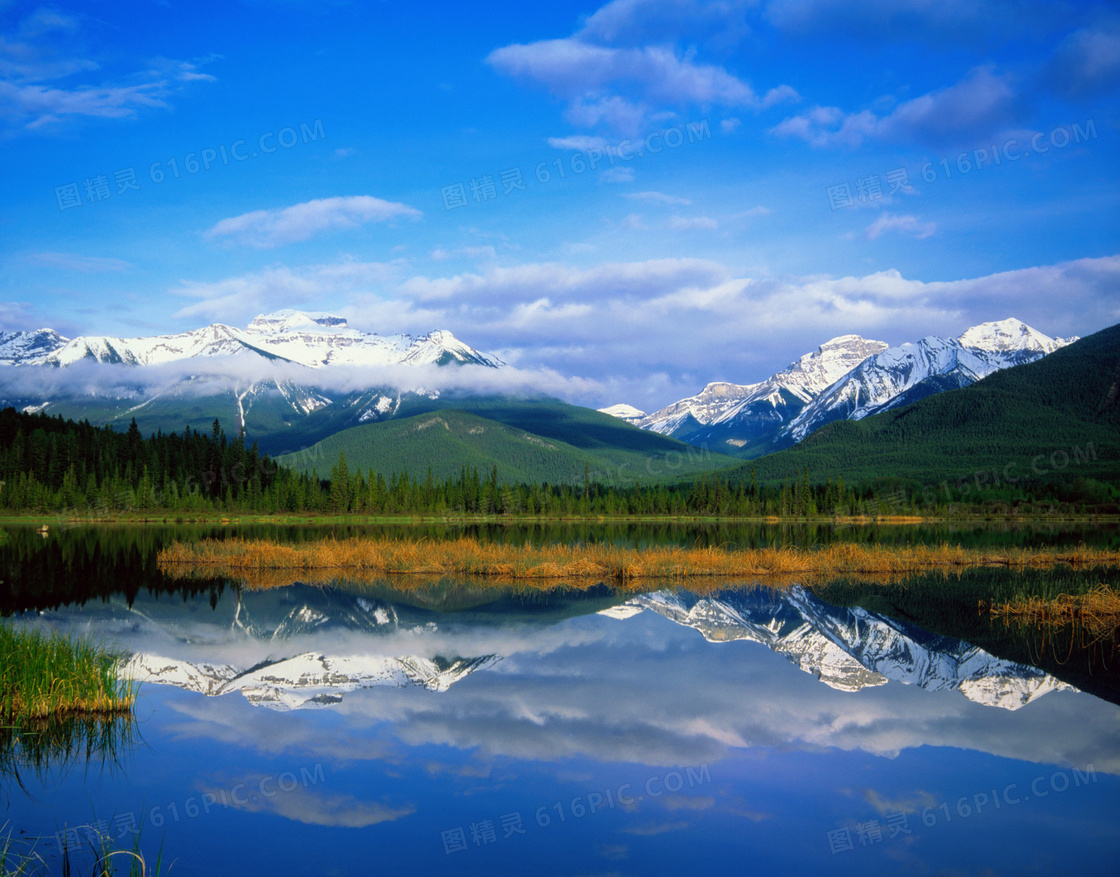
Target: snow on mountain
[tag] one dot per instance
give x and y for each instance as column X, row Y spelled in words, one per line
column 848, row 377
column 1011, row 335
column 911, row 371
column 310, row 339
column 256, row 404
column 29, row 348
column 303, row 680
column 744, row 412
column 624, row 412
column 850, row 649
column 286, row 644
column 259, row 627
column 702, row 408
column 812, row 373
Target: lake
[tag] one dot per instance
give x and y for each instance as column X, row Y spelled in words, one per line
column 469, row 730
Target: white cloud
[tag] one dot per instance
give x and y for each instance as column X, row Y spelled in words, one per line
column 40, row 60
column 691, row 321
column 752, row 213
column 691, row 703
column 616, row 113
column 578, row 143
column 1087, row 62
column 981, row 105
column 727, row 126
column 302, row 804
column 575, row 69
column 622, row 71
column 38, row 105
column 617, row 175
column 658, row 197
column 238, row 299
column 908, row 225
column 221, row 374
column 684, row 223
column 273, row 228
column 650, row 332
column 16, row 316
column 439, row 254
column 634, row 22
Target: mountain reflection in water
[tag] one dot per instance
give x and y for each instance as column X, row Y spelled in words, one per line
column 304, row 646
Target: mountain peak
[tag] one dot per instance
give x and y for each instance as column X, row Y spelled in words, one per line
column 624, row 412
column 1009, row 334
column 841, row 341
column 832, row 360
column 289, row 320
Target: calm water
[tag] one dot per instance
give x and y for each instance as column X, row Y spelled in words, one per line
column 356, row 730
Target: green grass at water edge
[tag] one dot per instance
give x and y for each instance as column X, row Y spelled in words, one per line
column 44, row 674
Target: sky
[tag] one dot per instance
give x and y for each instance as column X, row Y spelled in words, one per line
column 632, row 199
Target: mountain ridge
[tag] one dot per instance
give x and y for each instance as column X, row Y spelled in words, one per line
column 846, row 378
column 314, row 340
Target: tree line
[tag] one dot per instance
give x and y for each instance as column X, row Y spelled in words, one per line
column 52, row 465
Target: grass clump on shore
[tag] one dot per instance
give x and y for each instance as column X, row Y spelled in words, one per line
column 258, row 559
column 47, row 675
column 1097, row 610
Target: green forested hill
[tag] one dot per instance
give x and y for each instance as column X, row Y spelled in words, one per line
column 530, row 443
column 1053, row 420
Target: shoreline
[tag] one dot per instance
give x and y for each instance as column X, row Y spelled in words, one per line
column 174, row 519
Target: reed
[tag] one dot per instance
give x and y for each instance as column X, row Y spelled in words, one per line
column 328, row 559
column 1097, row 611
column 19, row 857
column 49, row 748
column 44, row 675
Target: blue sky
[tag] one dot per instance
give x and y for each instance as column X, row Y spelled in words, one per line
column 766, row 175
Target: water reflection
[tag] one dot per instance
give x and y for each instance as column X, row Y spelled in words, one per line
column 796, row 718
column 466, row 730
column 46, row 750
column 303, row 646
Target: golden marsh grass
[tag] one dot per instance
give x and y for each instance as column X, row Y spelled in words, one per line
column 263, row 563
column 1097, row 611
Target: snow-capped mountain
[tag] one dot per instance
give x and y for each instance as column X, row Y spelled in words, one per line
column 251, row 379
column 904, row 374
column 309, row 339
column 703, row 408
column 304, row 680
column 624, row 412
column 280, row 648
column 296, row 647
column 848, row 377
column 29, row 348
column 744, row 413
column 851, row 649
